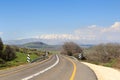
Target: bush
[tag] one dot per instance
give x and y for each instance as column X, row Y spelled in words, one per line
column 1, row 47
column 103, row 53
column 71, row 49
column 16, row 48
column 2, row 61
column 9, row 53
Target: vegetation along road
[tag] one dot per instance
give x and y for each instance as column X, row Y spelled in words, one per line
column 57, row 67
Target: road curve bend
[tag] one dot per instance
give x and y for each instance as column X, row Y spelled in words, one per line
column 58, row 67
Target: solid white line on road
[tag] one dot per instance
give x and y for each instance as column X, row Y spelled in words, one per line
column 74, row 58
column 36, row 74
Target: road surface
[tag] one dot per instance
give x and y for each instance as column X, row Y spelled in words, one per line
column 57, row 67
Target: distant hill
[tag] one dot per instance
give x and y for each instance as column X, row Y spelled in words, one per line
column 35, row 45
column 28, row 40
column 86, row 45
column 41, row 45
column 22, row 41
column 47, row 41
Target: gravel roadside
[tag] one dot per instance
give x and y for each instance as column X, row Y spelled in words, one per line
column 104, row 73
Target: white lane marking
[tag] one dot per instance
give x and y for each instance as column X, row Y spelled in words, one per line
column 74, row 58
column 36, row 74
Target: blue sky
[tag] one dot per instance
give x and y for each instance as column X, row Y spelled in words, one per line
column 30, row 18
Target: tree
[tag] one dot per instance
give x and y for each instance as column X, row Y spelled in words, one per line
column 71, row 48
column 1, row 47
column 9, row 53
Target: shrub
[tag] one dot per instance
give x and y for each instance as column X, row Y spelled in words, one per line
column 71, row 48
column 9, row 53
column 103, row 52
column 2, row 61
column 1, row 47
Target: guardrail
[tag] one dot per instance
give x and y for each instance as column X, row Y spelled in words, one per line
column 40, row 59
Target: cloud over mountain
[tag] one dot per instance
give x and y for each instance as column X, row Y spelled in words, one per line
column 93, row 34
column 90, row 34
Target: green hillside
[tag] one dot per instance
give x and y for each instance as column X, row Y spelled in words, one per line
column 35, row 45
column 42, row 46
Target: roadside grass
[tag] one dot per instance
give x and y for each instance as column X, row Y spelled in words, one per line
column 54, row 52
column 111, row 63
column 117, row 64
column 20, row 59
column 114, row 63
column 108, row 64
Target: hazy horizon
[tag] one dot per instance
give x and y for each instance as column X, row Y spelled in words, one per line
column 65, row 20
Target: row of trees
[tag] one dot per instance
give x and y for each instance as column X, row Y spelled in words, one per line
column 7, row 53
column 103, row 52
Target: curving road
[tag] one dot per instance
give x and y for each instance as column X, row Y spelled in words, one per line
column 57, row 67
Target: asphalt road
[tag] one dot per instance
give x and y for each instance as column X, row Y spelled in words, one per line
column 57, row 67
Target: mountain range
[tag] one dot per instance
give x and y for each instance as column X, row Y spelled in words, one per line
column 40, row 43
column 24, row 41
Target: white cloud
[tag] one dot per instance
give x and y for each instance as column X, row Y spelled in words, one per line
column 114, row 28
column 101, row 34
column 1, row 33
column 90, row 34
column 57, row 36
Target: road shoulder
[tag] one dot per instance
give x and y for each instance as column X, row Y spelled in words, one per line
column 104, row 73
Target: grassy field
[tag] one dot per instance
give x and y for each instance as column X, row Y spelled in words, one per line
column 20, row 59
